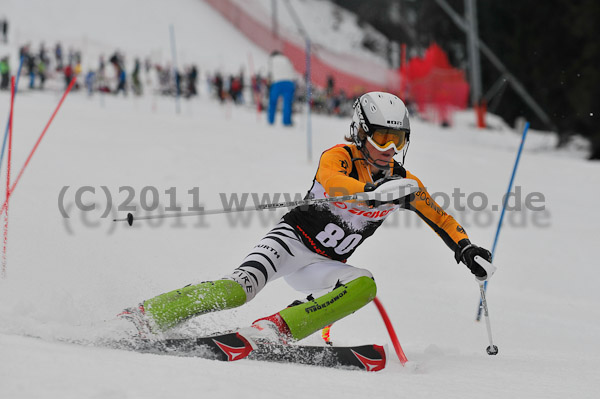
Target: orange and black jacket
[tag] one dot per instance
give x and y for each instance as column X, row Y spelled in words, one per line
column 336, row 229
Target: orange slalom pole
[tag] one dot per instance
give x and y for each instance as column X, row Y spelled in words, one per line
column 390, row 328
column 326, row 334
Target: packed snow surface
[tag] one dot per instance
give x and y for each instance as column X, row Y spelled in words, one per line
column 66, row 278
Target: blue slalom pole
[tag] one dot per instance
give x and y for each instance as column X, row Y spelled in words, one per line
column 8, row 121
column 505, row 202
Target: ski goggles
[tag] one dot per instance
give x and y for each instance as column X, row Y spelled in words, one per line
column 385, row 138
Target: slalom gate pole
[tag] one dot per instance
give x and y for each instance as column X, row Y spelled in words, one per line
column 9, row 116
column 256, row 95
column 308, row 104
column 14, row 185
column 8, row 163
column 391, row 331
column 504, row 204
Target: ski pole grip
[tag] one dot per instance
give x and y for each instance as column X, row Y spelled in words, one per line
column 487, row 266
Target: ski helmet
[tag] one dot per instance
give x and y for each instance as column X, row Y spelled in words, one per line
column 382, row 119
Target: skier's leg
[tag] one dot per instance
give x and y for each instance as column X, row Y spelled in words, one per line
column 324, row 276
column 288, row 100
column 169, row 309
column 274, row 93
column 349, row 289
column 273, row 257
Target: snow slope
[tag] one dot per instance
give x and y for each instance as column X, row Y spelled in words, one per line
column 326, row 24
column 138, row 28
column 67, row 278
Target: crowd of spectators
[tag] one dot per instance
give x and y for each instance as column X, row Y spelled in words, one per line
column 111, row 75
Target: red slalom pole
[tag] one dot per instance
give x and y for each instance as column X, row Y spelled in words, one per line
column 390, row 328
column 12, row 189
column 8, row 163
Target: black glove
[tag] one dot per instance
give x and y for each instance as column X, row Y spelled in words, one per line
column 371, row 187
column 467, row 252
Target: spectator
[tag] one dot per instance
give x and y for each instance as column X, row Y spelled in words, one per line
column 218, row 84
column 4, row 73
column 78, row 68
column 235, row 88
column 43, row 56
column 41, row 70
column 122, row 80
column 330, row 85
column 136, row 83
column 59, row 56
column 258, row 86
column 118, row 63
column 192, row 78
column 177, row 82
column 101, row 76
column 282, row 75
column 68, row 71
column 29, row 62
column 4, row 26
column 90, row 81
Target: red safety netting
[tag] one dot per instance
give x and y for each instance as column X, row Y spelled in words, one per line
column 353, row 75
column 430, row 82
column 434, row 85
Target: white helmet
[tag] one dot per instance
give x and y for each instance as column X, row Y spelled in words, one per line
column 378, row 109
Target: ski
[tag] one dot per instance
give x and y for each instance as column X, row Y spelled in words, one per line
column 234, row 346
column 224, row 347
column 364, row 357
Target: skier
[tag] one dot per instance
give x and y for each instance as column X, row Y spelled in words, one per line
column 310, row 245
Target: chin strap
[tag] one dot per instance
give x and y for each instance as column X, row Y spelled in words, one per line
column 405, row 151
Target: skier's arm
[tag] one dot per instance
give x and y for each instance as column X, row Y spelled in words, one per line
column 441, row 222
column 448, row 229
column 334, row 167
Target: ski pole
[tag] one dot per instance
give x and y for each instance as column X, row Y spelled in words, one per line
column 490, row 269
column 404, row 186
column 129, row 219
column 492, row 349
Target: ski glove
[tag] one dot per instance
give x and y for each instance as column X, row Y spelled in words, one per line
column 467, row 252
